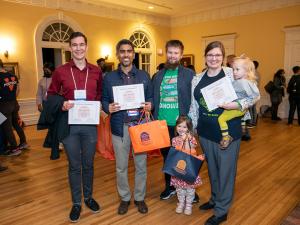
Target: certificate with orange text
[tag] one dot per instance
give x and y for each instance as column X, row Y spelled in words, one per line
column 218, row 93
column 129, row 96
column 84, row 112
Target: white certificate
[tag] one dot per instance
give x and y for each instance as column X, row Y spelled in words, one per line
column 129, row 96
column 84, row 112
column 218, row 93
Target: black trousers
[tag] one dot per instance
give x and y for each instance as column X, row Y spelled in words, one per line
column 294, row 104
column 16, row 125
column 80, row 147
column 274, row 110
column 8, row 109
column 164, row 152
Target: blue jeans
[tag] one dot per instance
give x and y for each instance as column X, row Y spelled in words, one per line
column 80, row 147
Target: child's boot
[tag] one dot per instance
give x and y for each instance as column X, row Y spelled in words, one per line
column 190, row 194
column 181, row 200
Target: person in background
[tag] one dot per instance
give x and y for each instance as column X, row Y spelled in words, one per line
column 294, row 95
column 229, row 60
column 172, row 97
column 160, row 66
column 41, row 96
column 43, row 85
column 127, row 74
column 278, row 93
column 222, row 164
column 252, row 110
column 191, row 67
column 78, row 80
column 8, row 103
column 101, row 64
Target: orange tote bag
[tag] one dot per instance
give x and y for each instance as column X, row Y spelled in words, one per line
column 149, row 136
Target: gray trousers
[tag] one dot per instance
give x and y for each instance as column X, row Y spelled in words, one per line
column 80, row 147
column 122, row 149
column 222, row 166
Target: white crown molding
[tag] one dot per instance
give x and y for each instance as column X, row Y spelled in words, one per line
column 97, row 10
column 120, row 13
column 232, row 11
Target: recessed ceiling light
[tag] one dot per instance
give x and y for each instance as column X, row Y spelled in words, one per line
column 150, row 7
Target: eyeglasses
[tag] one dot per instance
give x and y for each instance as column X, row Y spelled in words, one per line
column 210, row 56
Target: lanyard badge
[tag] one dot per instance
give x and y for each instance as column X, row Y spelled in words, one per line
column 80, row 94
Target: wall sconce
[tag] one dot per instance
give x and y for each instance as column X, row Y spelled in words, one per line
column 159, row 52
column 7, row 46
column 105, row 51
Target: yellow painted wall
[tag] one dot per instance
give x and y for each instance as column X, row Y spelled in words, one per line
column 259, row 35
column 19, row 23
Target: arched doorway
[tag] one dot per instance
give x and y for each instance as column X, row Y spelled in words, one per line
column 55, row 43
column 144, row 51
column 51, row 40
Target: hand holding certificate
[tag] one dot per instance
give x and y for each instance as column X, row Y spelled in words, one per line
column 218, row 93
column 84, row 112
column 129, row 96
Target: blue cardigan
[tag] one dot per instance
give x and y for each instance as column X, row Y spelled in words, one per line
column 114, row 78
column 184, row 84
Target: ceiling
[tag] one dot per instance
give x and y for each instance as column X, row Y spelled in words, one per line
column 168, row 8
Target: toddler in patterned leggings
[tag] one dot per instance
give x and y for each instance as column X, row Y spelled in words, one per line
column 186, row 142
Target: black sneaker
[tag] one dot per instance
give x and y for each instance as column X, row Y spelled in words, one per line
column 13, row 152
column 167, row 193
column 215, row 220
column 24, row 146
column 92, row 205
column 75, row 213
column 246, row 137
column 206, row 206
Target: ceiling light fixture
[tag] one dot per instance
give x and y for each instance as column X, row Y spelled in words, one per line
column 150, row 7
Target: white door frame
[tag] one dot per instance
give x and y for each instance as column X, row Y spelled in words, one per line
column 292, row 38
column 151, row 50
column 39, row 44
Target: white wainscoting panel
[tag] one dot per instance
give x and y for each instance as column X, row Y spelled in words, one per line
column 28, row 111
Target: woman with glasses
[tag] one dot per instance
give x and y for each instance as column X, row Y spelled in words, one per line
column 222, row 163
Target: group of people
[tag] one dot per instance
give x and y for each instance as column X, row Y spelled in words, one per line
column 174, row 95
column 278, row 92
column 10, row 119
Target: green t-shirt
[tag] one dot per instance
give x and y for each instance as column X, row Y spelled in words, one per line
column 168, row 106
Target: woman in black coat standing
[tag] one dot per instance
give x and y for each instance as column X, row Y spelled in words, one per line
column 278, row 92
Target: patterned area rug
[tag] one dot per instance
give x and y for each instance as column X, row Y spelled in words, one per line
column 293, row 218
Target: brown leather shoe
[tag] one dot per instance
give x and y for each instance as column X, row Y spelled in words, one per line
column 142, row 207
column 123, row 207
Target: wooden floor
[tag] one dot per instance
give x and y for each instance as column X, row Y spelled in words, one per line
column 34, row 190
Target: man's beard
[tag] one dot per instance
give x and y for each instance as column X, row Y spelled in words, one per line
column 171, row 66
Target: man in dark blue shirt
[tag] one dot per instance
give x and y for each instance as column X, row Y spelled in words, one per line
column 126, row 74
